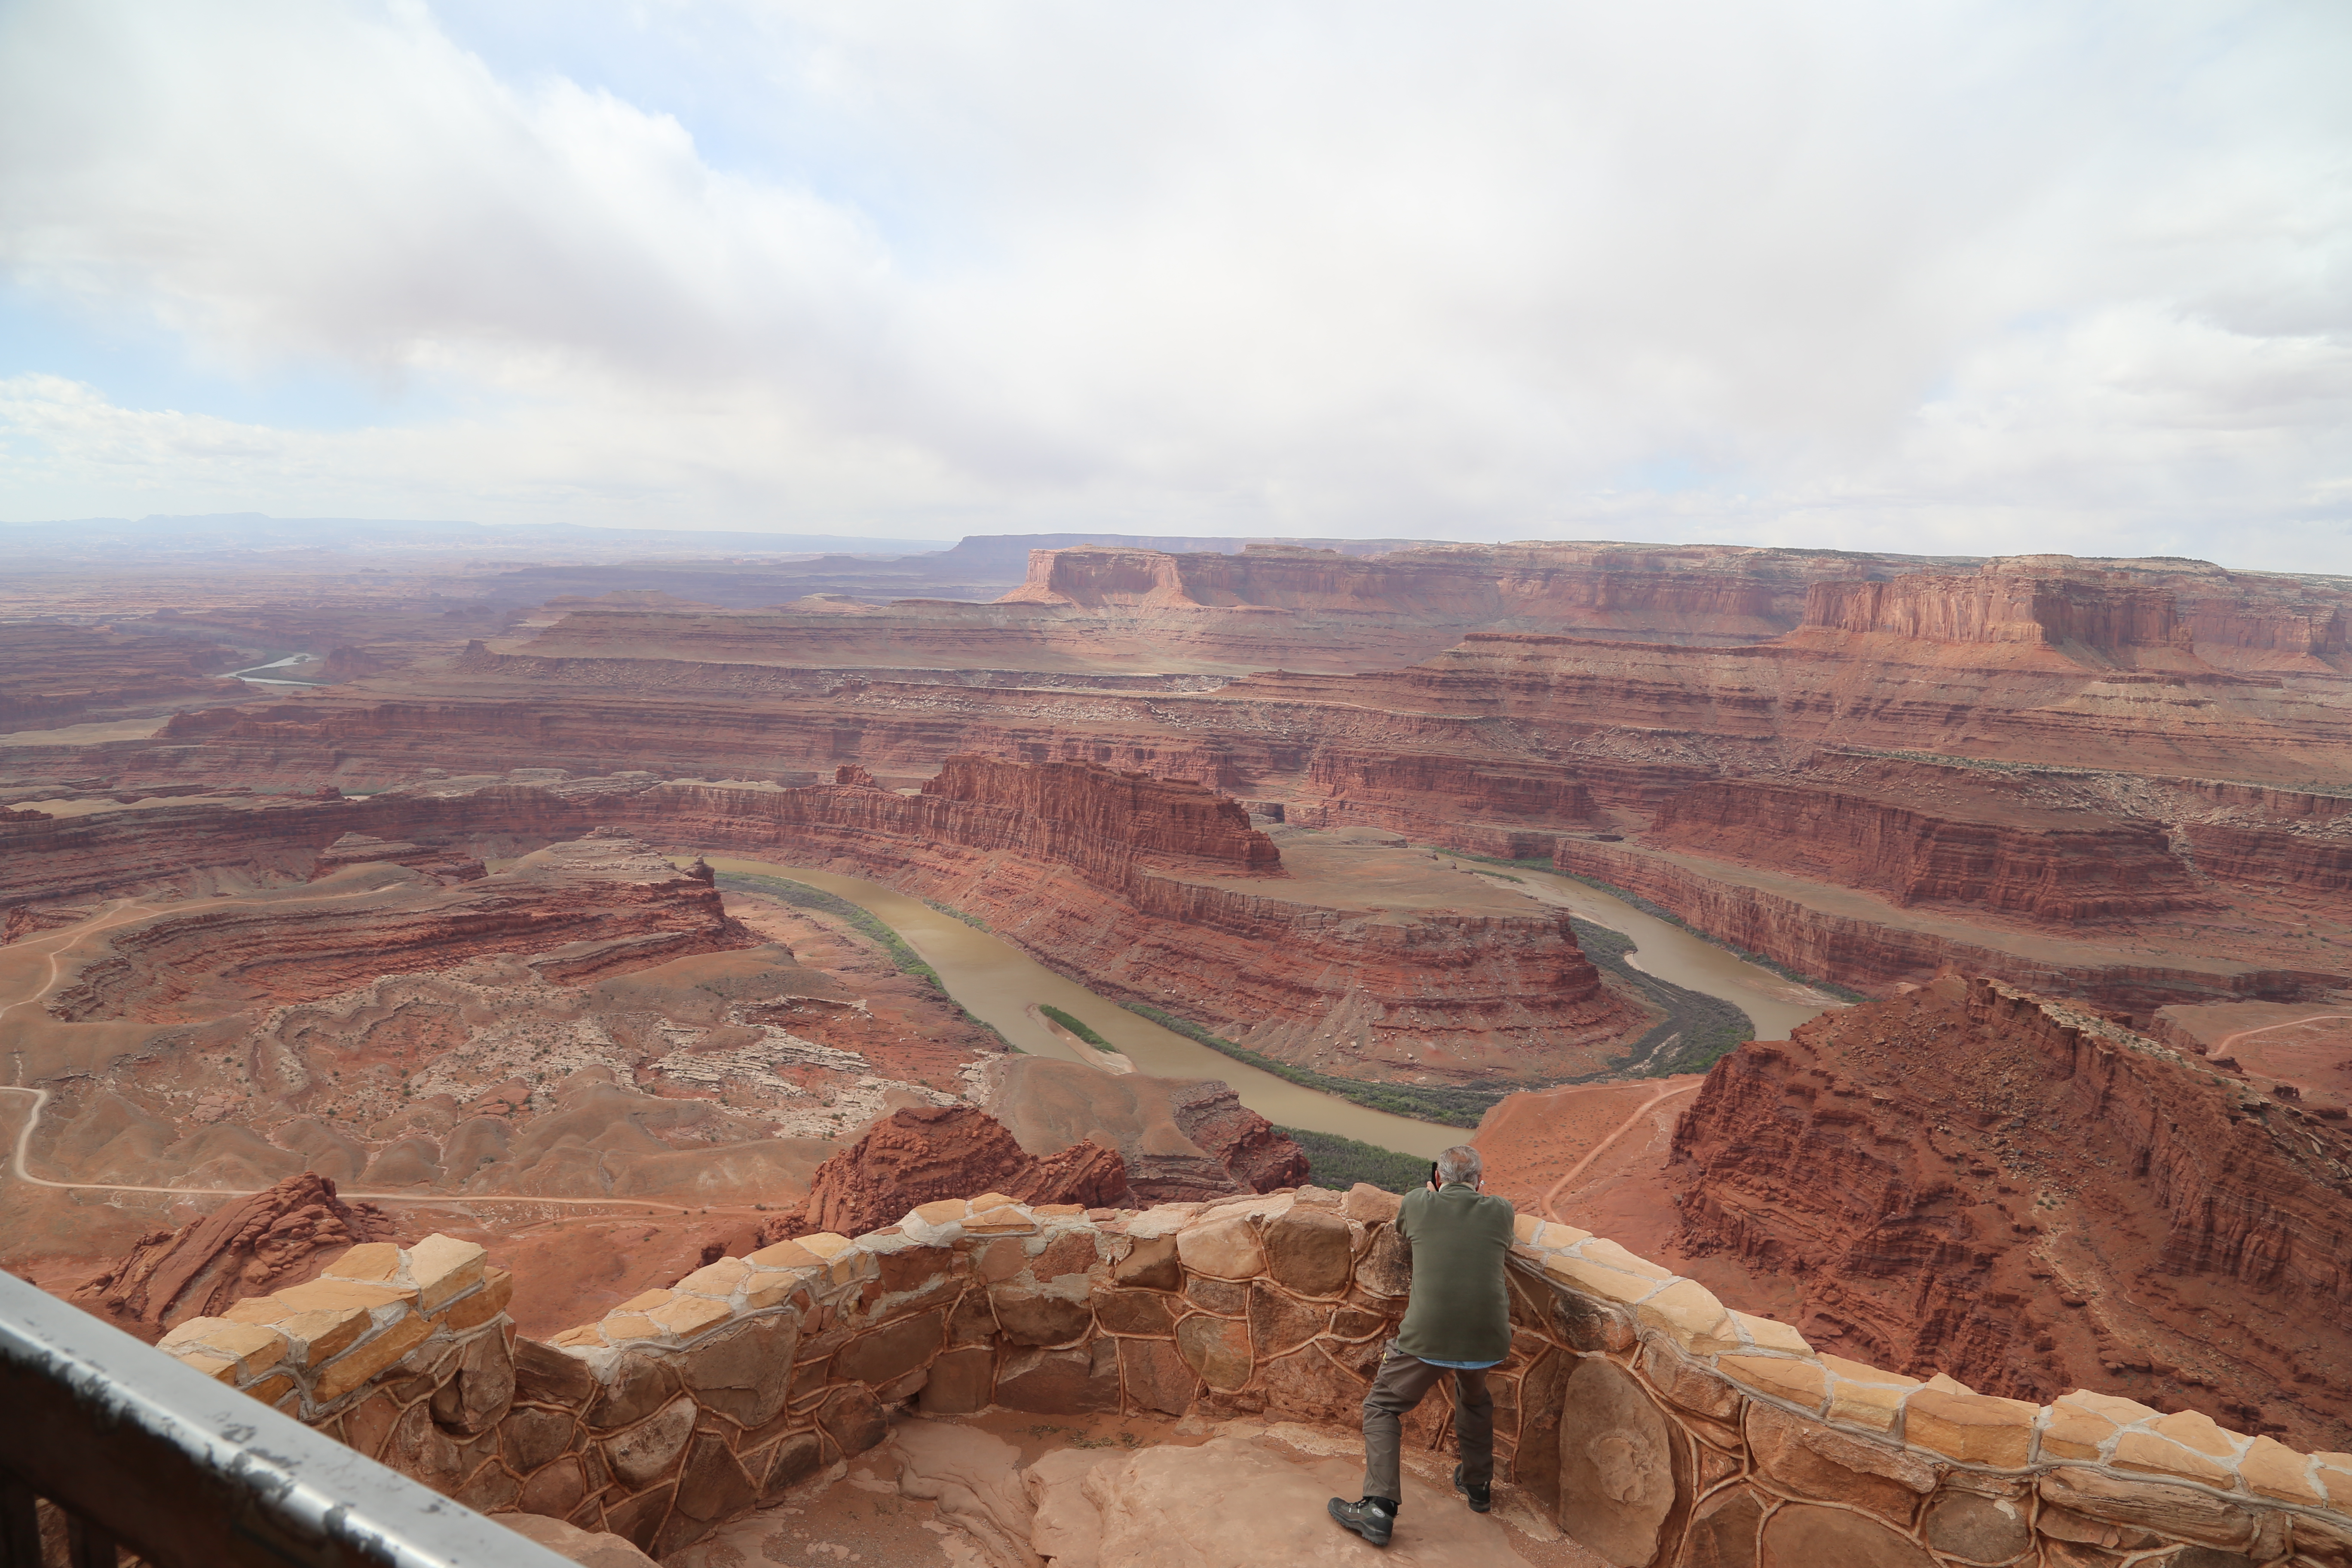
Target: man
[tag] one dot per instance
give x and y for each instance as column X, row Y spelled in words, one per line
column 1458, row 1320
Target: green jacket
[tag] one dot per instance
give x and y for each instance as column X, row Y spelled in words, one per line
column 1460, row 1311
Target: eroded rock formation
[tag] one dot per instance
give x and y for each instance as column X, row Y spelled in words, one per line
column 1182, row 1138
column 248, row 1247
column 2033, row 1198
column 914, row 1156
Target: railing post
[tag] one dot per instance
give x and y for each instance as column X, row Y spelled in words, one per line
column 20, row 1525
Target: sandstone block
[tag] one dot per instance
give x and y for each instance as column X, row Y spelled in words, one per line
column 337, row 1295
column 745, row 1373
column 946, row 1211
column 1071, row 1253
column 1583, row 1323
column 1771, row 1334
column 891, row 1351
column 961, row 1383
column 1003, row 1259
column 1608, row 1254
column 1310, row 1251
column 316, row 1338
column 718, row 1279
column 764, row 1287
column 1037, row 1318
column 1386, row 1267
column 644, row 1454
column 2113, row 1407
column 1801, row 1536
column 1150, row 1264
column 688, row 1316
column 586, row 1336
column 355, row 1366
column 1978, row 1529
column 2072, row 1432
column 639, row 1385
column 1688, row 1386
column 422, row 1451
column 972, row 1322
column 529, row 1437
column 554, row 1490
column 1223, row 1250
column 252, row 1346
column 1359, row 1323
column 1864, row 1395
column 853, row 1418
column 1599, row 1279
column 2195, row 1429
column 2182, row 1512
column 1147, row 1313
column 367, row 1424
column 1722, row 1531
column 1616, row 1463
column 376, row 1260
column 1687, row 1312
column 549, row 1376
column 2147, row 1452
column 1279, row 1323
column 710, row 1485
column 1225, row 1298
column 1004, row 1220
column 1974, row 1429
column 1827, row 1464
column 480, row 1388
column 1370, row 1205
column 638, row 1518
column 488, row 1489
column 2064, row 1524
column 1216, row 1348
column 784, row 1464
column 624, row 1326
column 441, row 1268
column 785, row 1255
column 1800, row 1383
column 823, row 1243
column 479, row 1307
column 1154, row 1376
column 1061, row 1383
column 1308, row 1385
column 271, row 1389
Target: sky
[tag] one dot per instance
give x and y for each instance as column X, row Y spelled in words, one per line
column 1950, row 275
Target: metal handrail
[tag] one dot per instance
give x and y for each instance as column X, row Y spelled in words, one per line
column 189, row 1473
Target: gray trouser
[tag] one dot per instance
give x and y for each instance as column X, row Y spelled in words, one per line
column 1401, row 1382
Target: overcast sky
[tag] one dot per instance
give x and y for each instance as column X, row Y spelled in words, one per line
column 1965, row 276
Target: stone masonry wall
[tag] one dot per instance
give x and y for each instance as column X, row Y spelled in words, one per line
column 1652, row 1423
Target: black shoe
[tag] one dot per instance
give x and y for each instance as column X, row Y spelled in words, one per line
column 1373, row 1519
column 1480, row 1497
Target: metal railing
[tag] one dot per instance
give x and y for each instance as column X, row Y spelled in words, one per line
column 140, row 1452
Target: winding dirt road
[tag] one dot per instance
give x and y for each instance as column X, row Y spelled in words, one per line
column 1552, row 1197
column 125, row 911
column 2227, row 1040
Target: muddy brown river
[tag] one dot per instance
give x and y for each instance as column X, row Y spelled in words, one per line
column 1002, row 985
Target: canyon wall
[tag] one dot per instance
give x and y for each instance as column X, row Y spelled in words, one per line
column 1088, row 809
column 1650, row 1422
column 2060, row 867
column 1869, row 954
column 2103, row 618
column 1972, row 1178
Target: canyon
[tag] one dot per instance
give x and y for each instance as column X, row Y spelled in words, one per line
column 515, row 903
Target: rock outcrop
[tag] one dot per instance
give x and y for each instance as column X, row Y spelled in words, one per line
column 248, row 1247
column 1182, row 1138
column 53, row 675
column 914, row 1156
column 2086, row 617
column 2033, row 1198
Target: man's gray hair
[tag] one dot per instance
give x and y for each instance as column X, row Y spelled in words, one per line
column 1459, row 1164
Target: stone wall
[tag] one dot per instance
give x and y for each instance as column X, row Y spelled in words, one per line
column 1655, row 1425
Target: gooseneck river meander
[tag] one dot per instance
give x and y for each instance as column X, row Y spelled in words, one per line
column 1002, row 986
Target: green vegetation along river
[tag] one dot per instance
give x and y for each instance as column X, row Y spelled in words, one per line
column 1002, row 987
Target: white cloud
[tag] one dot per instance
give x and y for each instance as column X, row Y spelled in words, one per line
column 1929, row 274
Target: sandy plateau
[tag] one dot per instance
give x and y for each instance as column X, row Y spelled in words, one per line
column 1946, row 963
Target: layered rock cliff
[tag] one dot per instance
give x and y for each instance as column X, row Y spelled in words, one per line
column 917, row 1156
column 1983, row 852
column 2095, row 619
column 1972, row 1178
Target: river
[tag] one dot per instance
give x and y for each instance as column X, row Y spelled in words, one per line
column 1002, row 985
